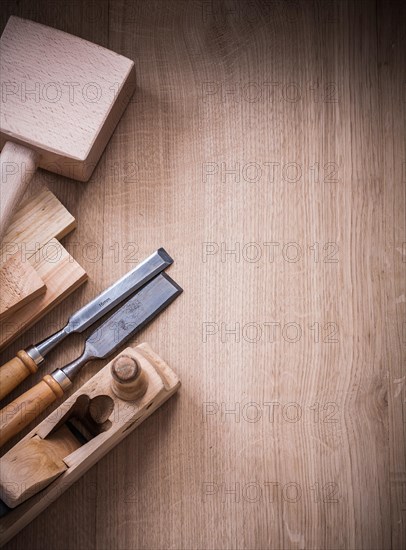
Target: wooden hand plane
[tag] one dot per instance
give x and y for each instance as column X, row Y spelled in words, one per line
column 82, row 430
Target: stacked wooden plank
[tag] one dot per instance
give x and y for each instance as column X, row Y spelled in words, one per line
column 36, row 272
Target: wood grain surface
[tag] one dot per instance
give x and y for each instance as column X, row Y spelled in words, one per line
column 39, row 219
column 61, row 274
column 19, row 284
column 264, row 148
column 36, row 222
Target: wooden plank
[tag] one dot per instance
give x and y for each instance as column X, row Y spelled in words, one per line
column 269, row 127
column 39, row 219
column 61, row 275
column 392, row 73
column 254, row 122
column 19, row 283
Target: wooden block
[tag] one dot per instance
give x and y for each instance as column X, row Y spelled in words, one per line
column 80, row 91
column 19, row 283
column 61, row 275
column 38, row 220
column 31, row 483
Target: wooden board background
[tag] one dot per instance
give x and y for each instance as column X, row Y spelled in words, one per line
column 253, row 122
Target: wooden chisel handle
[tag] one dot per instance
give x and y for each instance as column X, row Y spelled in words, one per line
column 22, row 411
column 15, row 371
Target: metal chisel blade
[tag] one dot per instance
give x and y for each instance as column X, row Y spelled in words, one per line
column 127, row 321
column 119, row 291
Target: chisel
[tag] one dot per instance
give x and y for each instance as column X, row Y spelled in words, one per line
column 105, row 340
column 26, row 361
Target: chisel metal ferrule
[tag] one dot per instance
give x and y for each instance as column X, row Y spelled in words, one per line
column 35, row 355
column 60, row 377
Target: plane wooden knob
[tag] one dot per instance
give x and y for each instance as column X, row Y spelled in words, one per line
column 129, row 381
